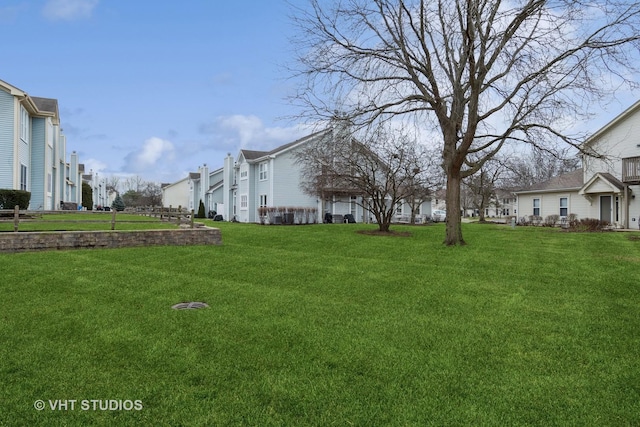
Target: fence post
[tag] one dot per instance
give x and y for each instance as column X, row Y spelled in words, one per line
column 16, row 218
column 178, row 213
column 192, row 217
column 113, row 220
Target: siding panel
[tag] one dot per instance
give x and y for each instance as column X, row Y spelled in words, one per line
column 7, row 132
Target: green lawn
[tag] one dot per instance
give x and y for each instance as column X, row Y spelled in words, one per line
column 85, row 221
column 320, row 326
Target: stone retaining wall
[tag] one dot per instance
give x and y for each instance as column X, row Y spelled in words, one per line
column 34, row 241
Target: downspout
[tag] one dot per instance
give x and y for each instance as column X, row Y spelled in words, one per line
column 626, row 206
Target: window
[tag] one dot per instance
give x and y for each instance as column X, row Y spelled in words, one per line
column 23, row 177
column 244, row 201
column 263, row 200
column 536, row 207
column 564, row 206
column 24, row 124
column 399, row 208
column 243, row 174
column 262, row 169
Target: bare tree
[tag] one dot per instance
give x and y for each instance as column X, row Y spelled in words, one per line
column 538, row 165
column 152, row 194
column 134, row 183
column 113, row 183
column 483, row 73
column 384, row 167
column 481, row 187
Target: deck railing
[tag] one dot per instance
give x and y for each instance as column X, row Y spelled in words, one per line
column 631, row 169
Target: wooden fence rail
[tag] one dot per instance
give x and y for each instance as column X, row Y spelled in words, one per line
column 169, row 214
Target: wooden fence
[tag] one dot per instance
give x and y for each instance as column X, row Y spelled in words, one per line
column 170, row 214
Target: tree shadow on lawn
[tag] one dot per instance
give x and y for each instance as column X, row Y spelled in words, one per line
column 390, row 233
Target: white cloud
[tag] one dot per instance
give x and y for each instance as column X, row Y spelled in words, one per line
column 248, row 131
column 154, row 153
column 93, row 165
column 68, row 10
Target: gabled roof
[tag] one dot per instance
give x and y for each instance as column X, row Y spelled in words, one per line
column 253, row 155
column 12, row 89
column 619, row 118
column 568, row 181
column 49, row 105
column 215, row 186
column 602, row 180
column 34, row 104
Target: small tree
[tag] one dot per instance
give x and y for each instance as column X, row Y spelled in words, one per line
column 87, row 196
column 118, row 204
column 384, row 167
column 201, row 213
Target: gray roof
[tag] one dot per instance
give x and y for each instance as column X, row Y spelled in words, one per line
column 49, row 105
column 613, row 180
column 253, row 155
column 570, row 180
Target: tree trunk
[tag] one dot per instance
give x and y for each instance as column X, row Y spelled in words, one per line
column 384, row 227
column 454, row 227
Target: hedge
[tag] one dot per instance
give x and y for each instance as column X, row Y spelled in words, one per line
column 10, row 198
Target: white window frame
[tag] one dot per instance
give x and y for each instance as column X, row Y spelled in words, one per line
column 244, row 201
column 263, row 171
column 399, row 207
column 565, row 207
column 538, row 207
column 263, row 200
column 24, row 124
column 24, row 184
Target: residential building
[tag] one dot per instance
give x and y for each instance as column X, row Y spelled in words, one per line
column 502, row 204
column 265, row 179
column 607, row 185
column 33, row 151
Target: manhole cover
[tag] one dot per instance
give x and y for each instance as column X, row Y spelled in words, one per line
column 190, row 305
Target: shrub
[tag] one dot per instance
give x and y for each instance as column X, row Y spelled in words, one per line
column 118, row 204
column 87, row 196
column 589, row 225
column 535, row 219
column 551, row 220
column 201, row 213
column 294, row 215
column 10, row 198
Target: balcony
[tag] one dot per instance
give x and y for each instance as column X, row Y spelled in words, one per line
column 631, row 170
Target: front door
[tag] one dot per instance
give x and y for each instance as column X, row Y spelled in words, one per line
column 605, row 209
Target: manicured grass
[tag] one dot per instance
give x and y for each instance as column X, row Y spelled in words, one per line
column 319, row 325
column 85, row 221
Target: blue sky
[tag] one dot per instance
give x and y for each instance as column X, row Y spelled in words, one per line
column 155, row 89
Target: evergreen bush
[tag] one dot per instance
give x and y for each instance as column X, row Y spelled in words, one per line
column 201, row 213
column 10, row 198
column 118, row 204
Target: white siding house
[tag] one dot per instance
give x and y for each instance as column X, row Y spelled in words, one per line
column 256, row 179
column 606, row 188
column 33, row 151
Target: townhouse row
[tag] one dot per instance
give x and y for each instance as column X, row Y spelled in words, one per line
column 604, row 188
column 269, row 179
column 33, row 151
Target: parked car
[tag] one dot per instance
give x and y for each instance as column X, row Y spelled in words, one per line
column 439, row 215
